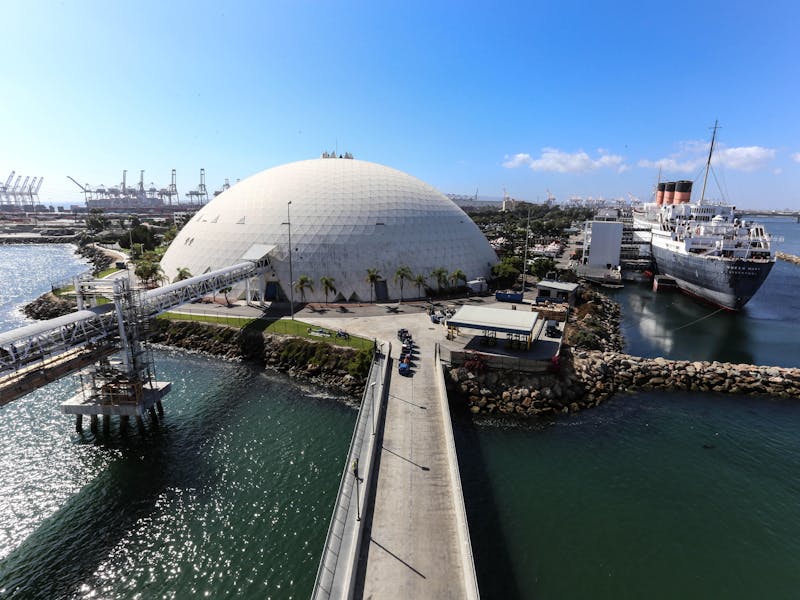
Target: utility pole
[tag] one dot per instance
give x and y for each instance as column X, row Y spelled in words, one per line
column 525, row 261
column 291, row 275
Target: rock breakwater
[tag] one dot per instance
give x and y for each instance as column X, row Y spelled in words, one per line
column 790, row 258
column 604, row 373
column 589, row 378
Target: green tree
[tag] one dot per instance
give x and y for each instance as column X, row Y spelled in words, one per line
column 373, row 277
column 507, row 270
column 402, row 275
column 456, row 276
column 420, row 280
column 96, row 220
column 183, row 273
column 302, row 284
column 542, row 266
column 439, row 275
column 328, row 286
column 148, row 272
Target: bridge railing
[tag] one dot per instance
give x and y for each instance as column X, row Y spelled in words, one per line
column 467, row 560
column 23, row 346
column 338, row 563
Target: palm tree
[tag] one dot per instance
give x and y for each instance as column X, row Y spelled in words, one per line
column 420, row 280
column 440, row 275
column 403, row 274
column 456, row 276
column 327, row 286
column 303, row 283
column 183, row 273
column 373, row 277
column 148, row 272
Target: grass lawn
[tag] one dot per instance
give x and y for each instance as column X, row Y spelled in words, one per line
column 279, row 326
column 107, row 272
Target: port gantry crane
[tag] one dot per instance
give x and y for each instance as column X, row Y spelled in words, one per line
column 4, row 190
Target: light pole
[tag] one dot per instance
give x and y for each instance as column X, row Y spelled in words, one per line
column 358, row 480
column 291, row 275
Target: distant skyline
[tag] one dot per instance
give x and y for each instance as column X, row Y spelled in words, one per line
column 574, row 98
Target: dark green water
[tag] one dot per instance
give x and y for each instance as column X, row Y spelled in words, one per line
column 650, row 495
column 229, row 496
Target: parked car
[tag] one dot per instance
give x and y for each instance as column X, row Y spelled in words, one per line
column 551, row 328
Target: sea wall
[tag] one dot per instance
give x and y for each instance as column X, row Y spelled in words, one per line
column 604, row 373
column 591, row 377
column 791, row 258
column 340, row 369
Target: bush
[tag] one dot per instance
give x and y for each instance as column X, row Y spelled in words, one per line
column 359, row 364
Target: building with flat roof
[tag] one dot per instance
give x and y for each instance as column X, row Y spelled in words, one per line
column 558, row 291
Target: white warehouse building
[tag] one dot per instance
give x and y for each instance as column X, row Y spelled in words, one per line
column 346, row 216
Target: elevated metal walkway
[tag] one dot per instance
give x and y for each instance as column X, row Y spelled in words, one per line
column 48, row 348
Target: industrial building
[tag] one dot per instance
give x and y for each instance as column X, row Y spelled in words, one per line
column 340, row 217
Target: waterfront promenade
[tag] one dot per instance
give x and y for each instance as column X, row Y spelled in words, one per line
column 416, row 541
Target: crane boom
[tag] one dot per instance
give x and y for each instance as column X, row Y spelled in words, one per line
column 38, row 186
column 76, row 183
column 8, row 181
column 31, row 185
column 16, row 184
column 24, row 184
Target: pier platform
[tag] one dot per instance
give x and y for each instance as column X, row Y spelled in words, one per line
column 93, row 405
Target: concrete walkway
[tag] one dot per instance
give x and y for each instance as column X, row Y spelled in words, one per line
column 414, row 546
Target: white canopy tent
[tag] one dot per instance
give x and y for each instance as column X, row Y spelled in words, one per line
column 515, row 322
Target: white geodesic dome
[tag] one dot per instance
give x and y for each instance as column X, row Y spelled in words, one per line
column 346, row 216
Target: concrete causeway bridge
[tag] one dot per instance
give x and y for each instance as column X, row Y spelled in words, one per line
column 399, row 528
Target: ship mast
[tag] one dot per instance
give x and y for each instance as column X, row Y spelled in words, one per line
column 708, row 162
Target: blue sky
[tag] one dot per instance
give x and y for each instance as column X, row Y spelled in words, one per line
column 578, row 98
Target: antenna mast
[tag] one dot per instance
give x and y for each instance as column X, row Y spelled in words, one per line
column 708, row 162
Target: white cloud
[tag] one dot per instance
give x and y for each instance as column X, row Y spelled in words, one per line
column 692, row 156
column 552, row 159
column 796, row 157
column 517, row 161
column 745, row 158
column 672, row 164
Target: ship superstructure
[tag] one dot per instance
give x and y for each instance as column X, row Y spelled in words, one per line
column 703, row 246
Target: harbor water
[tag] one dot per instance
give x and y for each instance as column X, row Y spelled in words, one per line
column 649, row 495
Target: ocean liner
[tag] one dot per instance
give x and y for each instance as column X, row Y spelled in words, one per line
column 709, row 252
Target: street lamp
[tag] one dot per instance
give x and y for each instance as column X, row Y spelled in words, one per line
column 291, row 275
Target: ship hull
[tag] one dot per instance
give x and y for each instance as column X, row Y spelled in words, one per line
column 726, row 283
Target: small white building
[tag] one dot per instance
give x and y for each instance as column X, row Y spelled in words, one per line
column 602, row 243
column 556, row 291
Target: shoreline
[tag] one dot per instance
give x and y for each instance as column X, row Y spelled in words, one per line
column 583, row 378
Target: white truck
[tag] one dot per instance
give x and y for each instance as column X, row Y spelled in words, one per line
column 478, row 286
